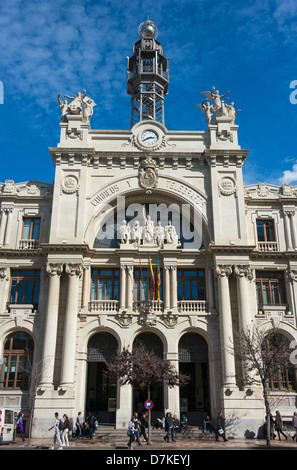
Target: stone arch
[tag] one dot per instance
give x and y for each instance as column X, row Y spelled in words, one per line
column 193, row 357
column 101, row 396
column 105, row 203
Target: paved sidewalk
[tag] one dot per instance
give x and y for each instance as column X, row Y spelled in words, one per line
column 157, row 444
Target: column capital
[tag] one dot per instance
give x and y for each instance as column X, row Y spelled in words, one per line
column 54, row 269
column 242, row 270
column 223, row 270
column 74, row 269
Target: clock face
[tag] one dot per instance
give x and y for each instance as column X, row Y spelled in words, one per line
column 149, row 138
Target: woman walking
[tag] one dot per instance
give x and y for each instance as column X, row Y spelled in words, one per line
column 65, row 440
column 279, row 425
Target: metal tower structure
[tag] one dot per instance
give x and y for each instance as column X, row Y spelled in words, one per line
column 147, row 76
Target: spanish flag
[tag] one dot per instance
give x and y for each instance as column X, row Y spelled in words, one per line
column 153, row 278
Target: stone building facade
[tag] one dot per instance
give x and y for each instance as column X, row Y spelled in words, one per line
column 75, row 283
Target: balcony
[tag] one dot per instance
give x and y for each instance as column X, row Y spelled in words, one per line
column 267, row 247
column 103, row 305
column 28, row 244
column 192, row 306
column 147, row 306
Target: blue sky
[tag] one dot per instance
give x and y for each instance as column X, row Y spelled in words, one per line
column 247, row 47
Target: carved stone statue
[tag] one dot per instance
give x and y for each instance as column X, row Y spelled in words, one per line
column 148, row 230
column 170, row 234
column 64, row 108
column 215, row 97
column 159, row 234
column 208, row 109
column 136, row 233
column 76, row 105
column 125, row 232
column 231, row 111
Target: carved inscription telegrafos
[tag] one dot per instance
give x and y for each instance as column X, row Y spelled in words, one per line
column 227, row 186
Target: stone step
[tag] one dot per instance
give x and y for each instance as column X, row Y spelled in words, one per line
column 107, row 433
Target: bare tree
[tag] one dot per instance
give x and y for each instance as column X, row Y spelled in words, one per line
column 33, row 372
column 143, row 369
column 261, row 353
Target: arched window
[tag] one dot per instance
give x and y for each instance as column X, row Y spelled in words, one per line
column 17, row 361
column 280, row 372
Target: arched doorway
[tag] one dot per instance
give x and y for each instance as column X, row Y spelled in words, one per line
column 151, row 342
column 101, row 391
column 193, row 360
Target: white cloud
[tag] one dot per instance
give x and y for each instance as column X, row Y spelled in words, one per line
column 289, row 176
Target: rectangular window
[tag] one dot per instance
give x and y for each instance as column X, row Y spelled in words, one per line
column 191, row 284
column 24, row 287
column 31, row 229
column 105, row 284
column 270, row 286
column 265, row 230
column 143, row 285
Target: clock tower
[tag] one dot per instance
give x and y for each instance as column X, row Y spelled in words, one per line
column 147, row 77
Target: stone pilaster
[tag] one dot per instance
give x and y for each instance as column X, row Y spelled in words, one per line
column 54, row 271
column 243, row 273
column 226, row 329
column 74, row 271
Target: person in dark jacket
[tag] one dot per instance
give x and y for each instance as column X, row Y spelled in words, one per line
column 143, row 424
column 220, row 432
column 279, row 425
column 168, row 426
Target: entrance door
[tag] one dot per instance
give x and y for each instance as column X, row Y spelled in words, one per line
column 101, row 391
column 193, row 360
column 151, row 342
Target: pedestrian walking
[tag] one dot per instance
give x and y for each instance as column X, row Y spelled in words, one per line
column 130, row 433
column 220, row 431
column 65, row 432
column 294, row 424
column 91, row 423
column 79, row 424
column 279, row 425
column 143, row 424
column 168, row 426
column 137, row 430
column 175, row 427
column 20, row 426
column 56, row 426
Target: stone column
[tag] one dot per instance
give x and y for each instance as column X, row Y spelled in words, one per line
column 70, row 325
column 243, row 273
column 166, row 292
column 8, row 225
column 173, row 283
column 287, row 230
column 226, row 330
column 3, row 294
column 123, row 287
column 51, row 321
column 293, row 229
column 130, row 286
column 2, row 225
column 86, row 287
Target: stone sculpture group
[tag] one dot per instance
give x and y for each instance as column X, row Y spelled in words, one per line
column 218, row 108
column 149, row 234
column 80, row 105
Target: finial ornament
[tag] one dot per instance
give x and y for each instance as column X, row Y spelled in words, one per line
column 148, row 29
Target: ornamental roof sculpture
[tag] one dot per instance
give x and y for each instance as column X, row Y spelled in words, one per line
column 81, row 105
column 219, row 108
